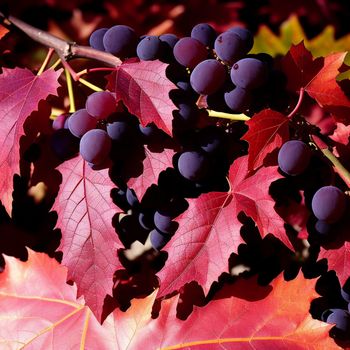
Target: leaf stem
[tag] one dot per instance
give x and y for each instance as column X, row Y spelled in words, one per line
column 237, row 117
column 70, row 91
column 99, row 69
column 46, row 61
column 300, row 100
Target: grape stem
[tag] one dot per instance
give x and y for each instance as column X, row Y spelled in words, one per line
column 65, row 49
column 237, row 117
column 70, row 91
column 297, row 106
column 338, row 167
column 46, row 61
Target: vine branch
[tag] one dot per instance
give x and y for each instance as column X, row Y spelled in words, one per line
column 65, row 49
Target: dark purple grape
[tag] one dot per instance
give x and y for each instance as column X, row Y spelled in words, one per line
column 101, row 104
column 212, row 139
column 149, row 48
column 96, row 39
column 294, row 157
column 340, row 318
column 208, row 76
column 238, row 99
column 249, row 73
column 81, row 122
column 120, row 40
column 323, row 227
column 187, row 113
column 158, row 240
column 149, row 130
column 245, row 35
column 60, row 121
column 189, row 52
column 64, row 144
column 132, row 198
column 169, row 39
column 345, row 291
column 204, row 33
column 95, row 146
column 328, row 204
column 193, row 165
column 121, row 131
column 146, row 221
column 164, row 223
column 229, row 47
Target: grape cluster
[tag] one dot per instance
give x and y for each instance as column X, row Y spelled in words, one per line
column 218, row 66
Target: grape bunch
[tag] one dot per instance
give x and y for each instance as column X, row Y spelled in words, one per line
column 217, row 66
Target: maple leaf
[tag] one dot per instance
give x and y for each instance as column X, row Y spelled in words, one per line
column 341, row 134
column 268, row 130
column 243, row 315
column 318, row 78
column 40, row 311
column 144, row 89
column 209, row 230
column 153, row 164
column 20, row 93
column 89, row 242
column 3, row 31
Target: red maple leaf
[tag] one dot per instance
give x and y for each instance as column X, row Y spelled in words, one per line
column 242, row 316
column 153, row 164
column 209, row 230
column 89, row 242
column 318, row 78
column 20, row 93
column 39, row 310
column 144, row 89
column 268, row 130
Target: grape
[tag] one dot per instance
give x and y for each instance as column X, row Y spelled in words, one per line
column 132, row 198
column 229, row 47
column 64, row 144
column 340, row 318
column 149, row 48
column 146, row 221
column 189, row 52
column 60, row 121
column 95, row 146
column 328, row 204
column 323, row 227
column 238, row 99
column 207, row 77
column 120, row 40
column 187, row 112
column 294, row 157
column 81, row 122
column 345, row 291
column 245, row 35
column 96, row 39
column 193, row 165
column 212, row 139
column 149, row 130
column 120, row 130
column 169, row 39
column 249, row 73
column 101, row 104
column 158, row 240
column 164, row 223
column 204, row 33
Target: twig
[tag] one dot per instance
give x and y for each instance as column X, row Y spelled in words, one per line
column 65, row 49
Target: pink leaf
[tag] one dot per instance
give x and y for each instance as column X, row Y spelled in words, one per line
column 209, row 230
column 89, row 242
column 268, row 130
column 144, row 89
column 20, row 93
